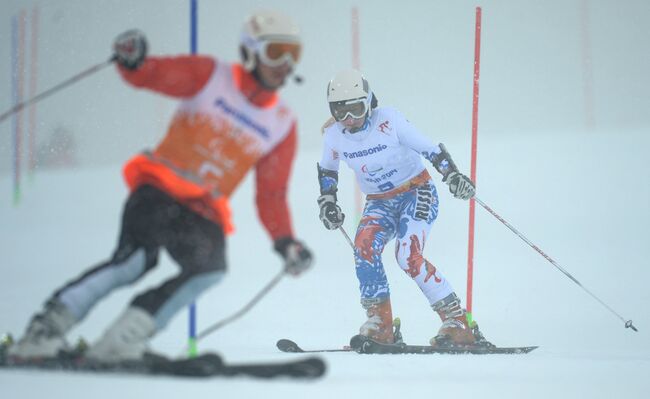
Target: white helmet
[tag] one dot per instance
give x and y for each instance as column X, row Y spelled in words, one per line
column 349, row 94
column 274, row 37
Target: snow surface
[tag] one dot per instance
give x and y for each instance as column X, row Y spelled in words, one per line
column 563, row 139
column 582, row 199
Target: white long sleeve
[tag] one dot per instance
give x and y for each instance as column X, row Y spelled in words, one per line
column 383, row 156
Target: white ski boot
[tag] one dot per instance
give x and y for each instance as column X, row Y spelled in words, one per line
column 126, row 339
column 45, row 334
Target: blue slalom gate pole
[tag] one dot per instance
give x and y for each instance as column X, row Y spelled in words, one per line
column 192, row 346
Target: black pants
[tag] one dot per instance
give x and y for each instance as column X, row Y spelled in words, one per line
column 153, row 220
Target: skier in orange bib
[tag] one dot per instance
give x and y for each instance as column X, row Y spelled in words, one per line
column 230, row 120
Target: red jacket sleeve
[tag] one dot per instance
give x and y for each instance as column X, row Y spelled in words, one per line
column 272, row 178
column 181, row 76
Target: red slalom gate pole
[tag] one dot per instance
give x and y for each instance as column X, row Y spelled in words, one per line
column 472, row 204
column 33, row 75
column 356, row 64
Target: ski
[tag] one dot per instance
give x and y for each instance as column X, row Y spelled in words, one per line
column 287, row 345
column 365, row 345
column 202, row 366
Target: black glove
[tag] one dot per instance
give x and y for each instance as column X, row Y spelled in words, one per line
column 297, row 258
column 460, row 185
column 330, row 213
column 130, row 49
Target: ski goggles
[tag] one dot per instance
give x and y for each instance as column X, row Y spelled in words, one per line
column 275, row 54
column 356, row 108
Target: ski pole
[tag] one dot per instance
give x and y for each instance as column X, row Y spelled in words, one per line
column 243, row 310
column 347, row 237
column 628, row 323
column 19, row 107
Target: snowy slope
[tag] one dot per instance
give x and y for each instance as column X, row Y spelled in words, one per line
column 549, row 69
column 582, row 198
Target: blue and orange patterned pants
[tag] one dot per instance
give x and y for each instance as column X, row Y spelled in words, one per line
column 408, row 218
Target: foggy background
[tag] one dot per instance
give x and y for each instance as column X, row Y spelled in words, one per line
column 562, row 155
column 558, row 66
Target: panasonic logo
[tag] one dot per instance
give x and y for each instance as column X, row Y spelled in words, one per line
column 241, row 117
column 363, row 153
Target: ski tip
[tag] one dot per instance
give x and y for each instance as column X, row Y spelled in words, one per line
column 287, row 345
column 528, row 349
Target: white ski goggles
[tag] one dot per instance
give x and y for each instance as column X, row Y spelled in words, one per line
column 277, row 53
column 356, row 108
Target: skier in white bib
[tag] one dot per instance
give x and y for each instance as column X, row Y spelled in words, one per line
column 385, row 152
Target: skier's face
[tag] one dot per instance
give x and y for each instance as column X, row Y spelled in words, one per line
column 353, row 124
column 273, row 77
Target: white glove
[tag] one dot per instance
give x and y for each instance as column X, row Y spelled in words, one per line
column 330, row 213
column 460, row 185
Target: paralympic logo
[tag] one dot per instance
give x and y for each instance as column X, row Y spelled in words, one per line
column 373, row 170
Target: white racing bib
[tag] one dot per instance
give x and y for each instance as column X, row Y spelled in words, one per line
column 385, row 155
